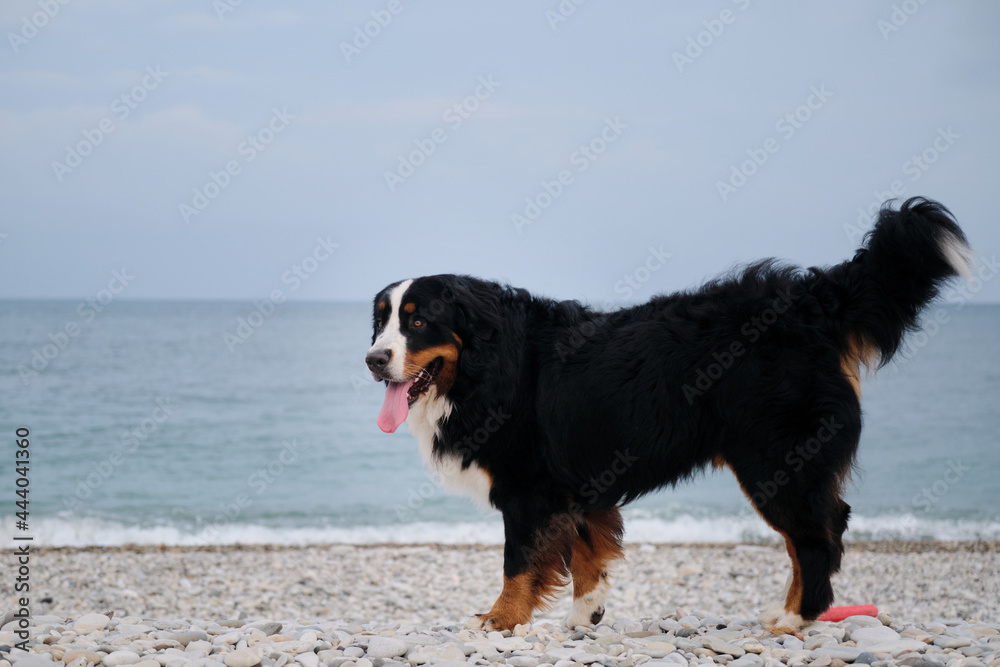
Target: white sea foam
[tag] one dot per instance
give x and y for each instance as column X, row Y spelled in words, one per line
column 640, row 527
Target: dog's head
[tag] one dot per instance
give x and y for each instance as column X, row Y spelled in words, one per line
column 421, row 330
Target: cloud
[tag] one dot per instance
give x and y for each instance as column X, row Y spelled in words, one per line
column 111, row 82
column 183, row 126
column 13, row 11
column 44, row 126
column 238, row 18
column 413, row 110
column 212, row 74
column 186, row 125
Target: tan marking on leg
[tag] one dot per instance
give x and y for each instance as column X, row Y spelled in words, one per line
column 515, row 605
column 589, row 566
column 793, row 601
column 537, row 586
column 590, row 561
column 585, row 567
column 522, row 595
column 793, row 598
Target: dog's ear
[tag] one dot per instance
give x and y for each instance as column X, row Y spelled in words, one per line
column 477, row 312
column 479, row 322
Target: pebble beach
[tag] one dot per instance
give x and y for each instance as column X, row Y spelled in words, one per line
column 390, row 605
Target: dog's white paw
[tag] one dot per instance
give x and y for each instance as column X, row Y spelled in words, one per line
column 779, row 622
column 584, row 615
column 768, row 615
column 589, row 609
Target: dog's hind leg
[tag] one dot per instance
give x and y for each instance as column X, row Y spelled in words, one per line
column 816, row 550
column 802, row 502
column 596, row 546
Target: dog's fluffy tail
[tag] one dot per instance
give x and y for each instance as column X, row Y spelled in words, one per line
column 901, row 265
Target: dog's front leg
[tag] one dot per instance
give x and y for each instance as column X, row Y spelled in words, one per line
column 536, row 557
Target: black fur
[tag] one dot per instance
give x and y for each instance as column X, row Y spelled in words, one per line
column 602, row 408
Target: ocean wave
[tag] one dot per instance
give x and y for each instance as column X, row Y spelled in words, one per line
column 641, row 526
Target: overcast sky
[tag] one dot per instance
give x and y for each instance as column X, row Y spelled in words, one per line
column 224, row 149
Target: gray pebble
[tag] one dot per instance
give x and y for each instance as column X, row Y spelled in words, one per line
column 748, row 660
column 121, row 658
column 44, row 660
column 188, row 636
column 895, row 646
column 307, row 659
column 522, row 661
column 721, row 646
column 816, row 641
column 874, row 635
column 199, row 645
column 845, row 653
column 653, row 652
column 385, row 647
column 337, row 662
column 866, row 658
column 90, row 623
column 243, row 657
column 270, row 628
column 952, row 642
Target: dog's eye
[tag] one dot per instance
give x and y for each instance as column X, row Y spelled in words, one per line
column 379, row 324
column 417, row 323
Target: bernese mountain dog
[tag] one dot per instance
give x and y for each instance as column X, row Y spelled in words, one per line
column 557, row 414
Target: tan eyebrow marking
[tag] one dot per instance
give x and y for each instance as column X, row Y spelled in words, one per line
column 410, row 307
column 381, row 305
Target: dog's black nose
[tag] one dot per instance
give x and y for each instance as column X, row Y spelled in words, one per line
column 378, row 360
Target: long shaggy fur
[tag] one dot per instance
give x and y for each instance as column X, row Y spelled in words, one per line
column 751, row 371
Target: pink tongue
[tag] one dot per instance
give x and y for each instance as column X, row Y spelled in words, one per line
column 395, row 408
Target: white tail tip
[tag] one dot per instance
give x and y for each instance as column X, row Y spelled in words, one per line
column 958, row 254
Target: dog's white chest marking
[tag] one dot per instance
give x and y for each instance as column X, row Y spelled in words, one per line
column 423, row 422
